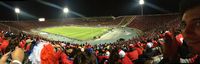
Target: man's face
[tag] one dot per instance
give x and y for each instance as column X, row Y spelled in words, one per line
column 191, row 32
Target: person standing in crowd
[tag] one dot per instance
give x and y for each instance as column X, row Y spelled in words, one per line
column 190, row 26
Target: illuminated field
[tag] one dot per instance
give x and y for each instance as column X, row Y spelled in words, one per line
column 80, row 33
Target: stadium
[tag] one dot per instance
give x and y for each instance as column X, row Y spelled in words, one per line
column 87, row 32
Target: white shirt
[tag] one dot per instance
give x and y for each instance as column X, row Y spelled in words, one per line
column 149, row 44
column 35, row 55
column 108, row 53
column 122, row 54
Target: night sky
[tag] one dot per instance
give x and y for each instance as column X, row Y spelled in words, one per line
column 52, row 9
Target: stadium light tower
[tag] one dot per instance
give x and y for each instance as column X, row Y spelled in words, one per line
column 141, row 2
column 65, row 11
column 17, row 11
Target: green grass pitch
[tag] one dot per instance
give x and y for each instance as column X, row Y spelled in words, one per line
column 80, row 33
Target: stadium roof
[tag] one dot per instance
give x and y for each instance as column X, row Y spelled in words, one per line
column 52, row 9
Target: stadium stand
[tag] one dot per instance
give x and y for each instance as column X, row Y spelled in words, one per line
column 150, row 22
column 27, row 25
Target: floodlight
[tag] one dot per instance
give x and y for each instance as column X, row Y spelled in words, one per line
column 17, row 10
column 41, row 19
column 65, row 10
column 141, row 2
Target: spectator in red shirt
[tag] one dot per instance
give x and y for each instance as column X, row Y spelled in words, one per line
column 4, row 44
column 133, row 54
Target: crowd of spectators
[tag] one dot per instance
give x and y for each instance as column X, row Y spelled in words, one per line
column 141, row 50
